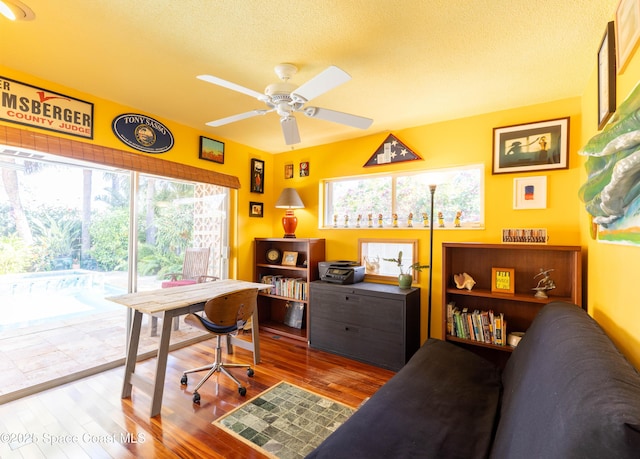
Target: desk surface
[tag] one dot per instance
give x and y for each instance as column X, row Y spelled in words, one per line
column 166, row 299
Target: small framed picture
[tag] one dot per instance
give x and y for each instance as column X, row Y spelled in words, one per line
column 502, row 280
column 531, row 147
column 256, row 209
column 606, row 76
column 304, row 169
column 289, row 258
column 530, row 193
column 627, row 31
column 288, row 171
column 211, row 150
column 257, row 176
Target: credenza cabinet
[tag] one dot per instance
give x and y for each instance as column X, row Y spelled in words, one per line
column 373, row 323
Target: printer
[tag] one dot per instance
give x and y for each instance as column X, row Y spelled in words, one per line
column 341, row 271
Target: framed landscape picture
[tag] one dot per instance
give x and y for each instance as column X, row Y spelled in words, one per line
column 539, row 146
column 211, row 150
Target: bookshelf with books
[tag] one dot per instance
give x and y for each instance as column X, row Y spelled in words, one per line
column 288, row 265
column 480, row 319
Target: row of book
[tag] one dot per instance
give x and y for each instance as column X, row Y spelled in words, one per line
column 290, row 287
column 483, row 326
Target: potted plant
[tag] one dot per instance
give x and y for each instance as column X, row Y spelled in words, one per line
column 405, row 278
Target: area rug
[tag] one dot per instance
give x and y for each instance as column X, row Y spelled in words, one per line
column 285, row 421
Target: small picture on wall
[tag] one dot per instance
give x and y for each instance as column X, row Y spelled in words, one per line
column 256, row 209
column 288, row 171
column 211, row 150
column 257, row 176
column 304, row 169
column 530, row 193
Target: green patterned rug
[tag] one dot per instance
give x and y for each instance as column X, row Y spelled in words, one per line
column 285, row 421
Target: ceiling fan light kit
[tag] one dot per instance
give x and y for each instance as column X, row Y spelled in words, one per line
column 285, row 98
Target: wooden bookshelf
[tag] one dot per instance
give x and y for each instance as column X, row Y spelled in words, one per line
column 519, row 308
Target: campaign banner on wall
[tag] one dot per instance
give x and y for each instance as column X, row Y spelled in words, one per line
column 29, row 105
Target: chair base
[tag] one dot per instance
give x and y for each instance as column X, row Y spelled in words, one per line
column 217, row 367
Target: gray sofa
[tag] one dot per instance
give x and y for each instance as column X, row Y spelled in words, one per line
column 566, row 392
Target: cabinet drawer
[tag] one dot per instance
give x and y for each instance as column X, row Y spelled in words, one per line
column 378, row 347
column 371, row 312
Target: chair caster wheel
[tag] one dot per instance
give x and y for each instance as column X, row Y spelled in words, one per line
column 183, row 380
column 196, row 398
column 242, row 391
column 250, row 372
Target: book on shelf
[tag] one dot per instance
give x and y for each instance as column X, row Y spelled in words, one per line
column 479, row 325
column 290, row 287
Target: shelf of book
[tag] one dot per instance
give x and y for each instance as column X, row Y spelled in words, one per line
column 524, row 261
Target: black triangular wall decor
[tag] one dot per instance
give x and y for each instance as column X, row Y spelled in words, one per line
column 391, row 151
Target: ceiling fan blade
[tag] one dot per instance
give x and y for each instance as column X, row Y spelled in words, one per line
column 232, row 86
column 325, row 81
column 290, row 130
column 355, row 121
column 233, row 118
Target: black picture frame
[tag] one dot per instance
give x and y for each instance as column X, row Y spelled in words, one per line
column 256, row 209
column 607, row 76
column 531, row 147
column 211, row 150
column 257, row 176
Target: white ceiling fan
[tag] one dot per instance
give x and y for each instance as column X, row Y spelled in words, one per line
column 285, row 98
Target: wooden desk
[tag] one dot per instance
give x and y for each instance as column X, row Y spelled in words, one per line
column 172, row 302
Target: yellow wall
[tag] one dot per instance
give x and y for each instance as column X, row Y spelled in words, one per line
column 451, row 143
column 613, row 269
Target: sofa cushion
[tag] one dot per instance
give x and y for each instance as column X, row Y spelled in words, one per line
column 568, row 392
column 441, row 404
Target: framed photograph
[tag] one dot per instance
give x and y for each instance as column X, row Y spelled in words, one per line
column 288, row 171
column 256, row 209
column 524, row 236
column 530, row 193
column 539, row 146
column 372, row 254
column 211, row 150
column 304, row 169
column 606, row 77
column 627, row 31
column 289, row 258
column 502, row 280
column 257, row 176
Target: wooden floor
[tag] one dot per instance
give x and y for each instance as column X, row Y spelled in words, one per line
column 87, row 418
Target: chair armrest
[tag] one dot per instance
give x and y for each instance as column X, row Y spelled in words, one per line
column 206, row 278
column 172, row 276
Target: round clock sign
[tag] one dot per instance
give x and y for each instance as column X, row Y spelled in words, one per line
column 273, row 256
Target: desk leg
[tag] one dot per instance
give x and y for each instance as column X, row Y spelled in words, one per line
column 132, row 353
column 255, row 337
column 161, row 368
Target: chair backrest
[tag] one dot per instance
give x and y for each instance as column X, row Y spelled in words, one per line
column 196, row 263
column 232, row 308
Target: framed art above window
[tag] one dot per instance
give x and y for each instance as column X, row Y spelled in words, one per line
column 606, row 77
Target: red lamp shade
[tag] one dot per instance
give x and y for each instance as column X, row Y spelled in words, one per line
column 289, row 199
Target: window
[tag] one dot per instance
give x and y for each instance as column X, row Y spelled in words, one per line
column 403, row 200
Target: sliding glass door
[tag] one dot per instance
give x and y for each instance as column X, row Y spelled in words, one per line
column 65, row 231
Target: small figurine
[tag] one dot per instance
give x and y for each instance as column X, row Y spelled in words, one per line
column 346, row 221
column 395, row 220
column 440, row 220
column 425, row 219
column 379, row 220
column 370, row 220
column 358, row 220
column 372, row 266
column 410, row 220
column 335, row 220
column 456, row 222
column 545, row 283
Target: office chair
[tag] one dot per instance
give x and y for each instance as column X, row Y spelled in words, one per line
column 225, row 316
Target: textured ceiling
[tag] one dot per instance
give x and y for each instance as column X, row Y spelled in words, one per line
column 412, row 62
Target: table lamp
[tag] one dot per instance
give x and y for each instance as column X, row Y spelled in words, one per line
column 289, row 199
